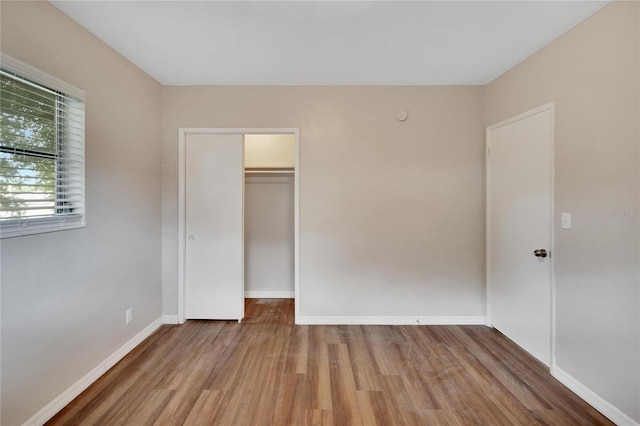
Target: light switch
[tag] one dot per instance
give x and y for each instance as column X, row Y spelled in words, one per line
column 566, row 221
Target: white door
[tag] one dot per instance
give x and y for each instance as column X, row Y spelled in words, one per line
column 214, row 225
column 519, row 227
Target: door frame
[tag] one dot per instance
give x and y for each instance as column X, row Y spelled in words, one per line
column 183, row 132
column 550, row 106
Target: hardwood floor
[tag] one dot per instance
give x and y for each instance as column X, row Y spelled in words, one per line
column 267, row 371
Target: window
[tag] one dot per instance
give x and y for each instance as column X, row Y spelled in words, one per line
column 41, row 151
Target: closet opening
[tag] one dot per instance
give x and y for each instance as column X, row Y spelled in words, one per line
column 269, row 217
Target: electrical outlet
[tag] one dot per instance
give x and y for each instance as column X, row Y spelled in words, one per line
column 129, row 315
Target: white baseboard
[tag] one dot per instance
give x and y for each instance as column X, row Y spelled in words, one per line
column 61, row 401
column 269, row 294
column 170, row 319
column 595, row 400
column 390, row 320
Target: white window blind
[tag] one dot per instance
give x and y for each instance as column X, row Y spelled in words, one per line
column 41, row 151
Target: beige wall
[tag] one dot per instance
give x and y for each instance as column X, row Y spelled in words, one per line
column 64, row 294
column 592, row 74
column 269, row 151
column 391, row 213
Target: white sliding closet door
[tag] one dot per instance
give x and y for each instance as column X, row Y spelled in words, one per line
column 214, row 224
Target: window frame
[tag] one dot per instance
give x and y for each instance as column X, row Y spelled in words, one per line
column 15, row 227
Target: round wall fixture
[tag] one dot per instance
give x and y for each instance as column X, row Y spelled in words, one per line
column 401, row 115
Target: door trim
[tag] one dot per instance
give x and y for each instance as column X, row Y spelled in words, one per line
column 182, row 136
column 550, row 106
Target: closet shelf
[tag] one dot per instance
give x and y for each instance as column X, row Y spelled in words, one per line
column 279, row 170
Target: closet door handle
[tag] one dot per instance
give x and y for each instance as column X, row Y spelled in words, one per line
column 540, row 253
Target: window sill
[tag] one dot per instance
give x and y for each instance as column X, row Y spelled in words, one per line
column 10, row 228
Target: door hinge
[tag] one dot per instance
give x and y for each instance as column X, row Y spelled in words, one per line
column 489, row 152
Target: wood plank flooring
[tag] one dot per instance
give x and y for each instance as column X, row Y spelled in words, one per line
column 267, row 371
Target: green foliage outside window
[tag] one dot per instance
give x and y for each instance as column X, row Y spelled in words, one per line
column 29, row 144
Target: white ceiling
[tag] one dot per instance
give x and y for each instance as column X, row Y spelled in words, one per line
column 327, row 42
